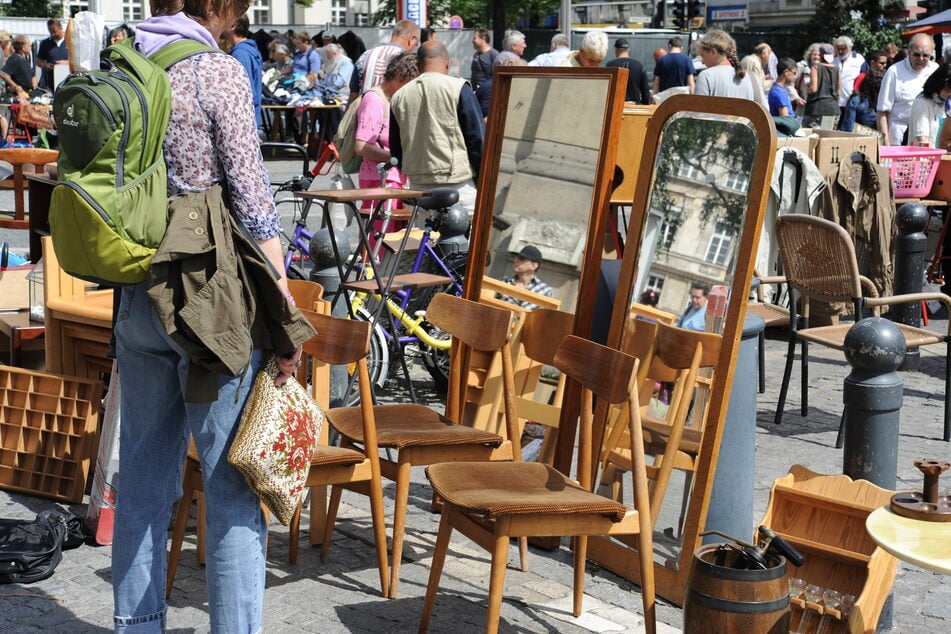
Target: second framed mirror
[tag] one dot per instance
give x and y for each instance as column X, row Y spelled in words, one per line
column 680, row 306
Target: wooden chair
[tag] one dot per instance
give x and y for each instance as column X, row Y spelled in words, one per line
column 677, row 357
column 493, row 502
column 418, row 434
column 343, row 342
column 771, row 314
column 19, row 158
column 819, row 262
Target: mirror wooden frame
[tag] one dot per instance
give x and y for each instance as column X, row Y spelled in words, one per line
column 670, row 584
column 503, row 76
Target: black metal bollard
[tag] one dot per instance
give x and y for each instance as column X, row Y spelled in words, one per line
column 872, row 395
column 910, row 244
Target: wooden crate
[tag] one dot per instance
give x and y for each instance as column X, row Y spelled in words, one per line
column 48, row 432
column 824, row 517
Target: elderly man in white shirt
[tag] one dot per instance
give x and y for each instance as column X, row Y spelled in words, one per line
column 901, row 83
column 850, row 64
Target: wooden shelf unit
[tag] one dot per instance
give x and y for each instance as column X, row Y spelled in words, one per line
column 824, row 517
column 48, row 432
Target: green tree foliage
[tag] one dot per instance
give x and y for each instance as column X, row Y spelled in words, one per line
column 870, row 23
column 31, row 9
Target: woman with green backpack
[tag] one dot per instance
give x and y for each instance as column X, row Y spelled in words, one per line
column 210, row 143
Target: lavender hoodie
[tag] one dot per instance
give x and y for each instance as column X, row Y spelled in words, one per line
column 158, row 31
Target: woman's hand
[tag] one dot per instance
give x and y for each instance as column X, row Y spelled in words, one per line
column 287, row 366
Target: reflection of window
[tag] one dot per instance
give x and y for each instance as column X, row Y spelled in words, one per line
column 737, row 182
column 338, row 12
column 672, row 221
column 655, row 283
column 720, row 244
column 362, row 19
column 686, row 170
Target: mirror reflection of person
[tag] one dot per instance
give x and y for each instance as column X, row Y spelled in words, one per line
column 694, row 316
column 526, row 265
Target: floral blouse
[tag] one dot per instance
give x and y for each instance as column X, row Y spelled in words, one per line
column 212, row 137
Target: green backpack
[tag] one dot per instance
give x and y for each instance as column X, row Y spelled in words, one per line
column 109, row 212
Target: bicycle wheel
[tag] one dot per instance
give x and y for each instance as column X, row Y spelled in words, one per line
column 378, row 361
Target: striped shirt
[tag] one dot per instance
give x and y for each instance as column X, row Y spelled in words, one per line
column 535, row 286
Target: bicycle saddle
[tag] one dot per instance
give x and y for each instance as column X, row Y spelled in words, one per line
column 438, row 198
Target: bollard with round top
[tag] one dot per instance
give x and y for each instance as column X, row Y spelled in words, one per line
column 912, row 218
column 872, row 394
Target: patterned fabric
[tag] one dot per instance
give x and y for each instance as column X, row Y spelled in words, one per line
column 374, row 61
column 535, row 286
column 212, row 138
column 276, row 440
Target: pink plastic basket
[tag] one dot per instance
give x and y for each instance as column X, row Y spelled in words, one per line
column 912, row 169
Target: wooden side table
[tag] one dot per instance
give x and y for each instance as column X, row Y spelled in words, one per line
column 18, row 327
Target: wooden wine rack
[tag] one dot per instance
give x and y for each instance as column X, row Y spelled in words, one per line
column 823, row 516
column 48, row 432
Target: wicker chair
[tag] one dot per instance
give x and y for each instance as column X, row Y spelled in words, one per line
column 491, row 502
column 820, row 264
column 419, row 435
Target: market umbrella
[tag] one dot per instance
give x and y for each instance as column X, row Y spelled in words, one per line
column 937, row 23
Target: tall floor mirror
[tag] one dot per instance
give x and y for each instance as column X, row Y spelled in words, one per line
column 696, row 215
column 550, row 148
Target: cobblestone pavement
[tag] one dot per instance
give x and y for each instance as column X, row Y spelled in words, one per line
column 341, row 595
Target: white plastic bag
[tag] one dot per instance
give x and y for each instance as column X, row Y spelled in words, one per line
column 84, row 35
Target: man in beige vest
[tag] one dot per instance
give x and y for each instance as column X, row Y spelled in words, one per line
column 436, row 128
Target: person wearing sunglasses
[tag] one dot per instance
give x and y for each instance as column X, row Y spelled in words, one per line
column 901, row 84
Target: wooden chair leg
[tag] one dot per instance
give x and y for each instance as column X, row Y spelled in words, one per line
column 500, row 555
column 646, row 557
column 435, row 570
column 523, row 554
column 335, row 493
column 581, row 555
column 379, row 533
column 399, row 523
column 295, row 535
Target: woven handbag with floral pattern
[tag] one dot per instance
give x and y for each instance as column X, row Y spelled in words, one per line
column 276, row 440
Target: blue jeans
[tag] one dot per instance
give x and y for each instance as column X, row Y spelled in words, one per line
column 156, row 423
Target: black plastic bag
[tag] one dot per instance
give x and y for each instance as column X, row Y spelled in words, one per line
column 30, row 551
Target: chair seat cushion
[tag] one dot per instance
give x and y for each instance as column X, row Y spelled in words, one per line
column 409, row 425
column 328, row 455
column 497, row 489
column 772, row 314
column 834, row 336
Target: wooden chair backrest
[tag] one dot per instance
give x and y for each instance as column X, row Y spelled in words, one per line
column 482, row 327
column 306, row 293
column 492, row 286
column 610, row 375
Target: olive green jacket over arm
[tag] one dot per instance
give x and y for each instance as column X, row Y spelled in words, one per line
column 217, row 294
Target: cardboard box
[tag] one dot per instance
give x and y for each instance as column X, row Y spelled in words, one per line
column 14, row 287
column 805, row 144
column 833, row 147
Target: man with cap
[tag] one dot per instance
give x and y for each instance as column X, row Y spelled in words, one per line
column 638, row 90
column 525, row 267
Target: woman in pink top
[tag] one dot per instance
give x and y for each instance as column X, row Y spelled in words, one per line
column 373, row 133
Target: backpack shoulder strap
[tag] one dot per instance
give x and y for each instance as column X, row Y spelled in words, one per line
column 171, row 54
